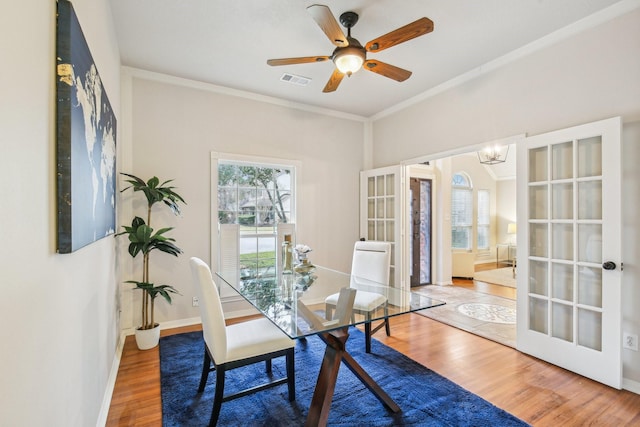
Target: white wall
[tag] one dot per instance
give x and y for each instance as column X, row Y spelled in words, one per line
column 505, row 208
column 178, row 123
column 59, row 312
column 590, row 76
column 630, row 245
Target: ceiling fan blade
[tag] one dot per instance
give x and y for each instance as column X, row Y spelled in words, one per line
column 391, row 71
column 410, row 31
column 334, row 81
column 301, row 60
column 327, row 22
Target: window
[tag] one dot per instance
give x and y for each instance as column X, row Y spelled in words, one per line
column 484, row 219
column 257, row 197
column 461, row 212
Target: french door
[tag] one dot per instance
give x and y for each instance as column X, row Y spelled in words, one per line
column 569, row 249
column 380, row 212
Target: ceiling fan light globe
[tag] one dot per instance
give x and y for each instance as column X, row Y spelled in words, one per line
column 348, row 61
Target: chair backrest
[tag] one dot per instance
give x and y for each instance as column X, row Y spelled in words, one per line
column 213, row 326
column 372, row 261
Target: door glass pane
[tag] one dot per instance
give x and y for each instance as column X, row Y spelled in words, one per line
column 371, row 186
column 538, row 240
column 538, row 202
column 562, row 161
column 371, row 208
column 379, row 208
column 590, row 329
column 371, row 230
column 390, row 182
column 390, row 205
column 380, row 231
column 562, row 320
column 390, row 234
column 590, row 243
column 562, row 281
column 562, row 201
column 538, row 277
column 590, row 286
column 380, row 185
column 590, row 200
column 538, row 164
column 590, row 157
column 562, row 241
column 538, row 315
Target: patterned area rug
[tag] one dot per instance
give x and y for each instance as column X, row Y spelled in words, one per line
column 489, row 312
column 488, row 316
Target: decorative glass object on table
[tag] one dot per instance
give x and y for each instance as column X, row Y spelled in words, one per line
column 303, row 266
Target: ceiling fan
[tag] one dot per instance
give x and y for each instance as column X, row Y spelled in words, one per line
column 349, row 55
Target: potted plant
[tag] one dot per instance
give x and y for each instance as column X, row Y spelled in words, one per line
column 143, row 240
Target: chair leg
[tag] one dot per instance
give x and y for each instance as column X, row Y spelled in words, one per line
column 367, row 334
column 387, row 326
column 291, row 374
column 268, row 365
column 206, row 367
column 219, row 394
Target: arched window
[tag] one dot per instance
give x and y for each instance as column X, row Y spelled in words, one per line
column 461, row 211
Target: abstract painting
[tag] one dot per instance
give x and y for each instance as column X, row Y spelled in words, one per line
column 86, row 141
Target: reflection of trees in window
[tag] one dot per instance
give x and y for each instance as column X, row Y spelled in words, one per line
column 256, row 196
column 253, row 195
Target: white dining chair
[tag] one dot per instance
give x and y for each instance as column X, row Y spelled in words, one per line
column 233, row 346
column 371, row 262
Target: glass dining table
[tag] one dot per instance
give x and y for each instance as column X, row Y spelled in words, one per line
column 295, row 302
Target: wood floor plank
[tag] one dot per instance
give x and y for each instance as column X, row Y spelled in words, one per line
column 535, row 391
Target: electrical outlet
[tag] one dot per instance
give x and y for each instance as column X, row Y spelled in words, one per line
column 630, row 341
column 195, row 302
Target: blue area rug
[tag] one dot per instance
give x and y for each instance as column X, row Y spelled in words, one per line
column 426, row 398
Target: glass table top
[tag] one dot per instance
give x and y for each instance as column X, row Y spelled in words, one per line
column 295, row 302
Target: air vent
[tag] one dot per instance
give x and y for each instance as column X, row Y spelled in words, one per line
column 296, row 80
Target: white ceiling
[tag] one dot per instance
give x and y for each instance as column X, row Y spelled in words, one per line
column 227, row 43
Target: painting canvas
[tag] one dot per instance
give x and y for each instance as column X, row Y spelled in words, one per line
column 86, row 141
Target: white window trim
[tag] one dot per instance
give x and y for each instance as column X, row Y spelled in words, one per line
column 269, row 161
column 488, row 224
column 471, row 243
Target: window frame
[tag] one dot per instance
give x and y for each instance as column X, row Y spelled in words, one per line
column 220, row 158
column 480, row 224
column 466, row 188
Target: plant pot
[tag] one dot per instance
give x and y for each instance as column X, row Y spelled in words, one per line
column 148, row 338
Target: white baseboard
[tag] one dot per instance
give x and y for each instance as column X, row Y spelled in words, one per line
column 111, row 383
column 169, row 325
column 115, row 365
column 630, row 385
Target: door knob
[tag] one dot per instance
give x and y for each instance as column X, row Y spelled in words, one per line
column 609, row 265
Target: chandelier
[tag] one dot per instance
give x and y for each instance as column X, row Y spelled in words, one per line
column 493, row 155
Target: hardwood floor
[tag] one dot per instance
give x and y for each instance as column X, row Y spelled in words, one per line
column 536, row 392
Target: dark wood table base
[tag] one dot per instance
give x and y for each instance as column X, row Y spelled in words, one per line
column 334, row 354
